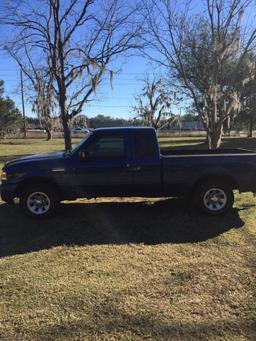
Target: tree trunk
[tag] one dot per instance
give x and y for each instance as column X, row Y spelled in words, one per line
column 214, row 139
column 49, row 134
column 227, row 125
column 251, row 125
column 67, row 133
column 65, row 122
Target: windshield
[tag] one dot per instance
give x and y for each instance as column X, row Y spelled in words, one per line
column 81, row 143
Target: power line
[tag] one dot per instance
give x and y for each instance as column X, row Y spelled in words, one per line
column 103, row 79
column 108, row 106
column 117, row 74
column 114, row 85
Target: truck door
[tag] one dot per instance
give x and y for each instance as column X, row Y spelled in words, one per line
column 104, row 171
column 146, row 164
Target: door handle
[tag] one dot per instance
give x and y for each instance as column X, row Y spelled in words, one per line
column 135, row 169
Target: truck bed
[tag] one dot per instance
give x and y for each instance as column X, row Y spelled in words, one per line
column 182, row 168
column 173, row 152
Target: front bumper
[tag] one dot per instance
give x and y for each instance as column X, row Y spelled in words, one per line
column 8, row 192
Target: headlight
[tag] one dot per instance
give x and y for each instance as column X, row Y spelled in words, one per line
column 3, row 176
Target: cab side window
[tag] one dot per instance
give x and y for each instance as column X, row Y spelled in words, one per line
column 107, row 147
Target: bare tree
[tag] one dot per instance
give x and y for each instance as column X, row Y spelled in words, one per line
column 76, row 41
column 248, row 91
column 204, row 52
column 40, row 86
column 44, row 104
column 80, row 121
column 154, row 105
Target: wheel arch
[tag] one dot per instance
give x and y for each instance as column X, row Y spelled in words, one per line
column 38, row 180
column 211, row 177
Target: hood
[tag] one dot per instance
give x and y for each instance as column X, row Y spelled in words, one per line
column 36, row 157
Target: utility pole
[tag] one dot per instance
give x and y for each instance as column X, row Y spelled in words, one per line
column 23, row 106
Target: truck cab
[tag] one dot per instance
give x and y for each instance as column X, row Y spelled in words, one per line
column 117, row 162
column 109, row 162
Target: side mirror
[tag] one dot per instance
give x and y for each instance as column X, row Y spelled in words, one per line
column 82, row 155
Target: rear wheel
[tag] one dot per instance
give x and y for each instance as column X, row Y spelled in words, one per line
column 39, row 201
column 214, row 197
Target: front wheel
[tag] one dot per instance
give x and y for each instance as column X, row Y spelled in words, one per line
column 39, row 201
column 214, row 197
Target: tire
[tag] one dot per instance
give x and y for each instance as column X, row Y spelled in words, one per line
column 39, row 201
column 214, row 197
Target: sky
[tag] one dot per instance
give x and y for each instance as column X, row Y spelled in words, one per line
column 116, row 102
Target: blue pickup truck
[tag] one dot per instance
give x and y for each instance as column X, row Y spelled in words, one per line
column 127, row 162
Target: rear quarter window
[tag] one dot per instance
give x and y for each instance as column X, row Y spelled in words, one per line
column 145, row 146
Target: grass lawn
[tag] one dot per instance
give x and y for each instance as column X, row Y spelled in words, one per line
column 127, row 269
